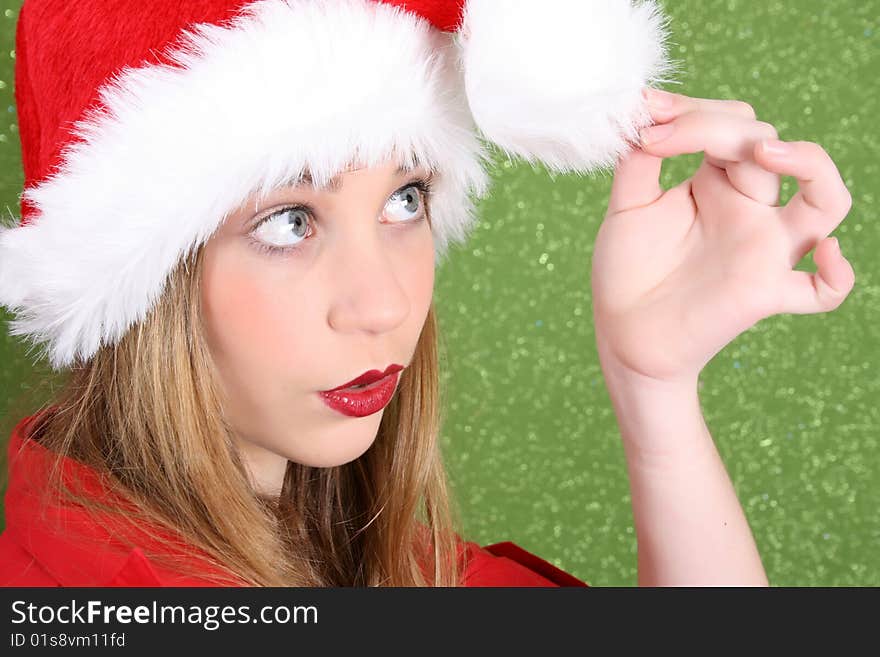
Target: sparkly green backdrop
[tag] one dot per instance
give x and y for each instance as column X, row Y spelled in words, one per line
column 531, row 440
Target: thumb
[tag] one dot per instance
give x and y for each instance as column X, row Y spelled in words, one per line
column 636, row 181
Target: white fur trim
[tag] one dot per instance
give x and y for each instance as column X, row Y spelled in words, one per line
column 560, row 80
column 157, row 173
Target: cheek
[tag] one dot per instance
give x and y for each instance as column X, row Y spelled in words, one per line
column 248, row 327
column 419, row 271
column 256, row 335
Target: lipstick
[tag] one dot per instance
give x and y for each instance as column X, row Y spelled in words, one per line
column 364, row 395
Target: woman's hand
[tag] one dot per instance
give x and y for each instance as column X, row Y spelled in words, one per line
column 678, row 274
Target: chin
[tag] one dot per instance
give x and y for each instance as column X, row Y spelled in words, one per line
column 337, row 447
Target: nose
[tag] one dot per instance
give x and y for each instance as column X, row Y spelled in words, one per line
column 366, row 285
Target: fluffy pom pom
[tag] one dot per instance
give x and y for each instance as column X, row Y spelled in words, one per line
column 560, row 81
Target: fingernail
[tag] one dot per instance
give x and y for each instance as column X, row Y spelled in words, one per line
column 657, row 98
column 655, row 133
column 775, row 147
column 836, row 244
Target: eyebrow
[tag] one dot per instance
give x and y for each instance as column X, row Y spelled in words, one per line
column 335, row 183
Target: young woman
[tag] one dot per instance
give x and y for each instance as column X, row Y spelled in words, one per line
column 231, row 244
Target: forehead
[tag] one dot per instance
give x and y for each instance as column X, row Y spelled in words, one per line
column 335, row 183
column 305, row 181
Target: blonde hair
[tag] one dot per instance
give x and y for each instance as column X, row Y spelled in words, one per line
column 148, row 414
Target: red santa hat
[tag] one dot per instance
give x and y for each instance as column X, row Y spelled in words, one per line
column 143, row 124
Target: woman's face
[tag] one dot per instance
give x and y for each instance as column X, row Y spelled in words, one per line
column 297, row 301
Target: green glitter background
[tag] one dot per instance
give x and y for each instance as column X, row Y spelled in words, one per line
column 531, row 440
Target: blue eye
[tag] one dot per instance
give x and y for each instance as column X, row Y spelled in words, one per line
column 282, row 231
column 407, row 201
column 284, row 228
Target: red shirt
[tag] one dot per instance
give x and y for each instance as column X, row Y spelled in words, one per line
column 64, row 547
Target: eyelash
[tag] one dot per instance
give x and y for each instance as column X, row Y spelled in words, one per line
column 424, row 185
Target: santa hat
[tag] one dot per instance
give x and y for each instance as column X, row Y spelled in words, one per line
column 143, row 124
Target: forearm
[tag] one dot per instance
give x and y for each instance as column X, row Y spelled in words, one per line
column 690, row 527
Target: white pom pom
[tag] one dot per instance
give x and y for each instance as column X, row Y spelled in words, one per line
column 560, row 81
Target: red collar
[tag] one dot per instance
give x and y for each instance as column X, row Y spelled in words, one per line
column 63, row 539
column 76, row 551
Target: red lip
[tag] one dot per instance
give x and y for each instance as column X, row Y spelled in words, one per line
column 369, row 377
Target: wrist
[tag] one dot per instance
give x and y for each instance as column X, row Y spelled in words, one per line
column 661, row 422
column 621, row 377
column 645, row 367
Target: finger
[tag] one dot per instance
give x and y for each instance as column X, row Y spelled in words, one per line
column 665, row 105
column 636, row 181
column 722, row 136
column 747, row 176
column 711, row 182
column 805, row 292
column 822, row 200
